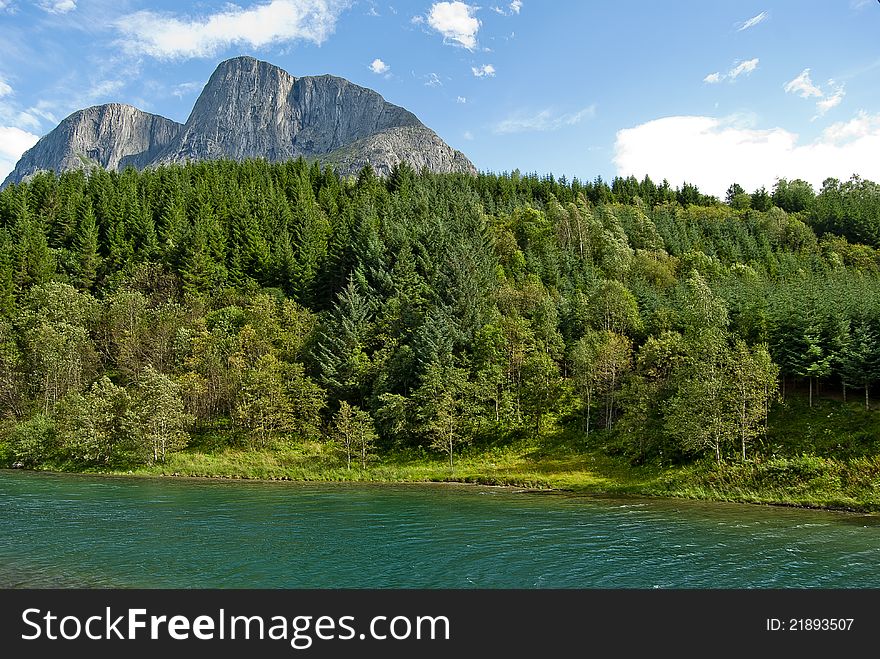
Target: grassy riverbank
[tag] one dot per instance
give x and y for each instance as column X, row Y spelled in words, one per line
column 825, row 457
column 232, row 316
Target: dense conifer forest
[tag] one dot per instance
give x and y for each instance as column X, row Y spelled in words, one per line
column 262, row 304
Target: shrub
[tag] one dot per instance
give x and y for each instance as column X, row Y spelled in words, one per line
column 33, row 441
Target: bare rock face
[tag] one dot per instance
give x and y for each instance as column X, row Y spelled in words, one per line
column 417, row 146
column 250, row 109
column 332, row 113
column 241, row 113
column 111, row 136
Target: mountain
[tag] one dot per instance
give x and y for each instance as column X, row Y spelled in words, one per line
column 111, row 136
column 250, row 109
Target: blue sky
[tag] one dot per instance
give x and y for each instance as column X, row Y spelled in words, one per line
column 707, row 92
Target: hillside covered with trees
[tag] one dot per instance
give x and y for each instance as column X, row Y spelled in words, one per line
column 254, row 306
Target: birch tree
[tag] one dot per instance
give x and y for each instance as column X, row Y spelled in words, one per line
column 160, row 415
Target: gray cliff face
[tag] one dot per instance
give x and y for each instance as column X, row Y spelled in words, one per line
column 241, row 113
column 417, row 146
column 111, row 136
column 331, row 113
column 250, row 109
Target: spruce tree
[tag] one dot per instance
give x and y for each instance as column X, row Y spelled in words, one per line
column 85, row 245
column 7, row 278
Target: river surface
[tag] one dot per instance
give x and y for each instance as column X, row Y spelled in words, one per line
column 84, row 531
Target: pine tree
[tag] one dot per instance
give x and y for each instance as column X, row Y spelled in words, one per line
column 309, row 230
column 339, row 261
column 7, row 275
column 32, row 262
column 85, row 245
column 815, row 360
column 174, row 231
column 120, row 250
column 860, row 359
column 283, row 263
column 70, row 197
column 203, row 267
column 143, row 230
column 341, row 351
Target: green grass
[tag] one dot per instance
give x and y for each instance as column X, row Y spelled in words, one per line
column 824, row 457
column 829, row 429
column 517, row 464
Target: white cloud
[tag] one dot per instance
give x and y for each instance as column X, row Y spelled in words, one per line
column 433, row 80
column 863, row 125
column 743, row 68
column 546, row 120
column 165, row 36
column 461, row 99
column 468, row 135
column 43, row 109
column 27, row 119
column 711, row 152
column 13, row 143
column 58, row 6
column 104, row 90
column 485, row 71
column 753, row 21
column 740, row 67
column 456, row 22
column 18, row 118
column 830, row 101
column 513, row 8
column 378, row 66
column 186, row 88
column 803, row 86
column 5, row 89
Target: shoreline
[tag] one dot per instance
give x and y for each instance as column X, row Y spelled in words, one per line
column 470, row 483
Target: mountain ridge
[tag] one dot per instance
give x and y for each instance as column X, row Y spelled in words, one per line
column 249, row 108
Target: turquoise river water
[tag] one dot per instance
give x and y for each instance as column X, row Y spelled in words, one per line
column 85, row 531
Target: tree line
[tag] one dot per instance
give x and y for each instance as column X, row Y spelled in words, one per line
column 280, row 302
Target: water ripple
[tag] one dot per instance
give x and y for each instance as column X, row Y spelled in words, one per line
column 70, row 531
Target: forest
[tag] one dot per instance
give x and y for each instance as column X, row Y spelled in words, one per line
column 264, row 305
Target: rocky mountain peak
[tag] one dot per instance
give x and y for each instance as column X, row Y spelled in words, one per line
column 249, row 109
column 111, row 136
